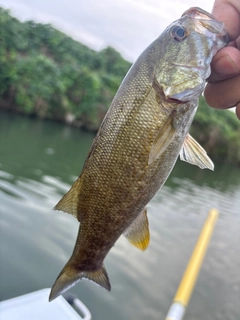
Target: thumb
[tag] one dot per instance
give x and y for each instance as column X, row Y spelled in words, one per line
column 226, row 64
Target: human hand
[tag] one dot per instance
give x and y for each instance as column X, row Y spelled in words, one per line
column 223, row 89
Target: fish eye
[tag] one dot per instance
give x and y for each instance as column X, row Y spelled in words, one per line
column 178, row 33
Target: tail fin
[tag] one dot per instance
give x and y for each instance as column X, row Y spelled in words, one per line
column 70, row 276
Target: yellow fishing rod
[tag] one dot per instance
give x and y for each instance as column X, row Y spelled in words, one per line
column 183, row 294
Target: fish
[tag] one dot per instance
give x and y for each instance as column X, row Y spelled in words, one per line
column 144, row 131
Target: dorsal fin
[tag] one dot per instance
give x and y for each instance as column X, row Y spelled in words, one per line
column 138, row 233
column 68, row 203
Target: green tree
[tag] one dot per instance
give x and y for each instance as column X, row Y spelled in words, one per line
column 36, row 81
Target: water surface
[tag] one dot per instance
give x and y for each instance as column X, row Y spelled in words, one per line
column 38, row 163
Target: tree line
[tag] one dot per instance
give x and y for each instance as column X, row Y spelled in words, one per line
column 47, row 74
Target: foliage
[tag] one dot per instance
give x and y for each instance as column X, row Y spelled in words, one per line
column 47, row 74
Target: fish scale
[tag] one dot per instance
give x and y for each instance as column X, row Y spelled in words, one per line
column 137, row 145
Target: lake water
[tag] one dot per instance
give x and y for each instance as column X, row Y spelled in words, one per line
column 38, row 163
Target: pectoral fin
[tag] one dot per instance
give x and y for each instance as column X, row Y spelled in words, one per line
column 138, row 233
column 164, row 137
column 193, row 153
column 68, row 203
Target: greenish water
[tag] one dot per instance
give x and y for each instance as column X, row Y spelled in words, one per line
column 38, row 163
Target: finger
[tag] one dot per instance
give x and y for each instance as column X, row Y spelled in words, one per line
column 228, row 11
column 224, row 94
column 238, row 110
column 225, row 64
column 237, row 42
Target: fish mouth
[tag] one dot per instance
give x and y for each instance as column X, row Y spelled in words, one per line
column 198, row 13
column 207, row 24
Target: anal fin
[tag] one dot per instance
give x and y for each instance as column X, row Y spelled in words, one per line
column 193, row 153
column 138, row 232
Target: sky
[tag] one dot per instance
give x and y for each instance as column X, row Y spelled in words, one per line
column 127, row 25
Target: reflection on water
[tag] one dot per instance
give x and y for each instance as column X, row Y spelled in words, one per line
column 38, row 163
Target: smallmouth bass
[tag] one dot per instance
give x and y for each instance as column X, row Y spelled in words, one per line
column 137, row 145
